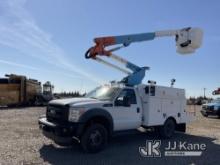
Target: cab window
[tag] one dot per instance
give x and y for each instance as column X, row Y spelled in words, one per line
column 128, row 93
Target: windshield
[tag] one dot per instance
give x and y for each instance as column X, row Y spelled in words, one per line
column 103, row 93
column 216, row 101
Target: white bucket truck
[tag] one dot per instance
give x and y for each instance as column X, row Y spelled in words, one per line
column 123, row 105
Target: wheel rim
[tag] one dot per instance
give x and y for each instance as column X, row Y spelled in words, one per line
column 95, row 138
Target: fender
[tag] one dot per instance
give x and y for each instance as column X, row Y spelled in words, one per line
column 97, row 112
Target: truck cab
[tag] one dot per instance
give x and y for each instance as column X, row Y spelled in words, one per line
column 212, row 108
column 111, row 108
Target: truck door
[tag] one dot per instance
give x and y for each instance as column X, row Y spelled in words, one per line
column 127, row 110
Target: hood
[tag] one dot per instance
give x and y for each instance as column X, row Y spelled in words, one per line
column 77, row 101
column 211, row 104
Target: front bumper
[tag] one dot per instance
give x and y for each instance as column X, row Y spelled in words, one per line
column 60, row 133
column 210, row 112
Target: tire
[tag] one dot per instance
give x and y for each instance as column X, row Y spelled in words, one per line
column 218, row 114
column 94, row 139
column 204, row 114
column 168, row 129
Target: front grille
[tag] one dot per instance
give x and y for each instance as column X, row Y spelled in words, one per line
column 57, row 113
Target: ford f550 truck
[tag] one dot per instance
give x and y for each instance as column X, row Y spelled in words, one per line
column 112, row 108
column 124, row 105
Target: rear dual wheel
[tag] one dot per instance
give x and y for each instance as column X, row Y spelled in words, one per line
column 168, row 129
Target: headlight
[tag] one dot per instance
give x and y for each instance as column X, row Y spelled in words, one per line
column 75, row 113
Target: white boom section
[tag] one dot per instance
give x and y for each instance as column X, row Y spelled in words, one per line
column 111, row 65
column 166, row 33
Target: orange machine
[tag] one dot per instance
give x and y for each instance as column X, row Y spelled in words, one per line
column 216, row 92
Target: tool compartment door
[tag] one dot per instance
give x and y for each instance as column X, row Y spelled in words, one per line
column 171, row 107
column 152, row 110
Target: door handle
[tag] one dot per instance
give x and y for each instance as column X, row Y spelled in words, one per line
column 138, row 110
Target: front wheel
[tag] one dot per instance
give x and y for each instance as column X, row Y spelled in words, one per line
column 168, row 129
column 205, row 114
column 94, row 139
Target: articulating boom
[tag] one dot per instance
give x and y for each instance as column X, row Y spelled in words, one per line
column 187, row 41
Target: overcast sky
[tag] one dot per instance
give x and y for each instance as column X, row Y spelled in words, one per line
column 47, row 39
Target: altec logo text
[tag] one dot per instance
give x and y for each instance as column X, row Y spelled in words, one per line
column 153, row 149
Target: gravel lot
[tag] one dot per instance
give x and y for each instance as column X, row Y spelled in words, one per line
column 21, row 142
